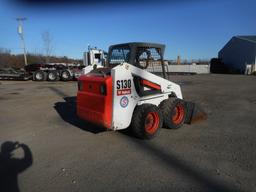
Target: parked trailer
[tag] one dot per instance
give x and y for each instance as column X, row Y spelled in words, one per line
column 49, row 72
column 43, row 72
column 12, row 74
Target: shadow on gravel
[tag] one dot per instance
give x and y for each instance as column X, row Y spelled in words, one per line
column 58, row 92
column 67, row 111
column 204, row 181
column 11, row 167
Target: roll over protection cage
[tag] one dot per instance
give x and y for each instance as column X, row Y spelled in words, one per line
column 134, row 48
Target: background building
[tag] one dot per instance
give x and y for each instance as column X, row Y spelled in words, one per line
column 239, row 52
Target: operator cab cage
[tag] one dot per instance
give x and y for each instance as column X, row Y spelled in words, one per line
column 141, row 55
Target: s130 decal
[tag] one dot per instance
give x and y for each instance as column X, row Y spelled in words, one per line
column 123, row 87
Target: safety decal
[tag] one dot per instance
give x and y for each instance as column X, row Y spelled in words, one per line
column 124, row 101
column 123, row 87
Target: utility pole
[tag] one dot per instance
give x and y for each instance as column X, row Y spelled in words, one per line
column 21, row 34
column 178, row 60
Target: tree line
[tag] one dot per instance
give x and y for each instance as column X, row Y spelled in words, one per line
column 7, row 59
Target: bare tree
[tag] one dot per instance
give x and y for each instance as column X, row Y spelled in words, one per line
column 5, row 55
column 7, row 59
column 5, row 51
column 47, row 40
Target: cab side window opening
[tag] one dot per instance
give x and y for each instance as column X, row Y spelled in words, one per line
column 97, row 56
column 148, row 57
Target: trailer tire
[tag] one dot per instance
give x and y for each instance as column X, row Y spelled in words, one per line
column 174, row 112
column 65, row 75
column 146, row 121
column 52, row 76
column 39, row 76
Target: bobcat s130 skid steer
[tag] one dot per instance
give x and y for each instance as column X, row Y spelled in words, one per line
column 124, row 95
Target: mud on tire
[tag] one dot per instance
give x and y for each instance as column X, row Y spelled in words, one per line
column 174, row 113
column 146, row 121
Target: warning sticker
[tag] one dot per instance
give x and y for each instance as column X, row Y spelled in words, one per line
column 124, row 92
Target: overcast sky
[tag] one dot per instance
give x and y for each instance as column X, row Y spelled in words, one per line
column 195, row 29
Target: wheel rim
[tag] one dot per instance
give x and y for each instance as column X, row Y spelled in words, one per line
column 152, row 122
column 51, row 76
column 178, row 114
column 65, row 75
column 39, row 76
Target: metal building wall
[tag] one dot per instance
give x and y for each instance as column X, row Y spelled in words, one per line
column 237, row 53
column 196, row 69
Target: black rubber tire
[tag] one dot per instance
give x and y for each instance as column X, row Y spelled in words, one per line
column 168, row 109
column 52, row 76
column 139, row 118
column 65, row 75
column 39, row 76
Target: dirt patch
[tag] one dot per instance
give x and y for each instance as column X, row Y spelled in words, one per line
column 3, row 98
column 41, row 87
column 20, row 89
column 252, row 101
column 13, row 93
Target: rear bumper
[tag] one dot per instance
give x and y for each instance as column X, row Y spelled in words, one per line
column 93, row 105
column 87, row 114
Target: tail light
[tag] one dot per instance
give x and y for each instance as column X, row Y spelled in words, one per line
column 80, row 85
column 103, row 89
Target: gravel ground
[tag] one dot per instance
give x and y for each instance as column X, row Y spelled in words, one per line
column 63, row 153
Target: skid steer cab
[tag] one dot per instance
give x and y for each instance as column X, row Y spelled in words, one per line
column 125, row 95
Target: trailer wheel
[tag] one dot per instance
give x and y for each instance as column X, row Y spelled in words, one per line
column 146, row 121
column 174, row 112
column 65, row 75
column 39, row 76
column 52, row 76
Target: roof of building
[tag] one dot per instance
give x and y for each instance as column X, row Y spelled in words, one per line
column 251, row 38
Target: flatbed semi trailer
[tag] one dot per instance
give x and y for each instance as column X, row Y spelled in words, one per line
column 42, row 72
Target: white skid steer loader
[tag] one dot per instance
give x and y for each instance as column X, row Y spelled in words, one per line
column 124, row 95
